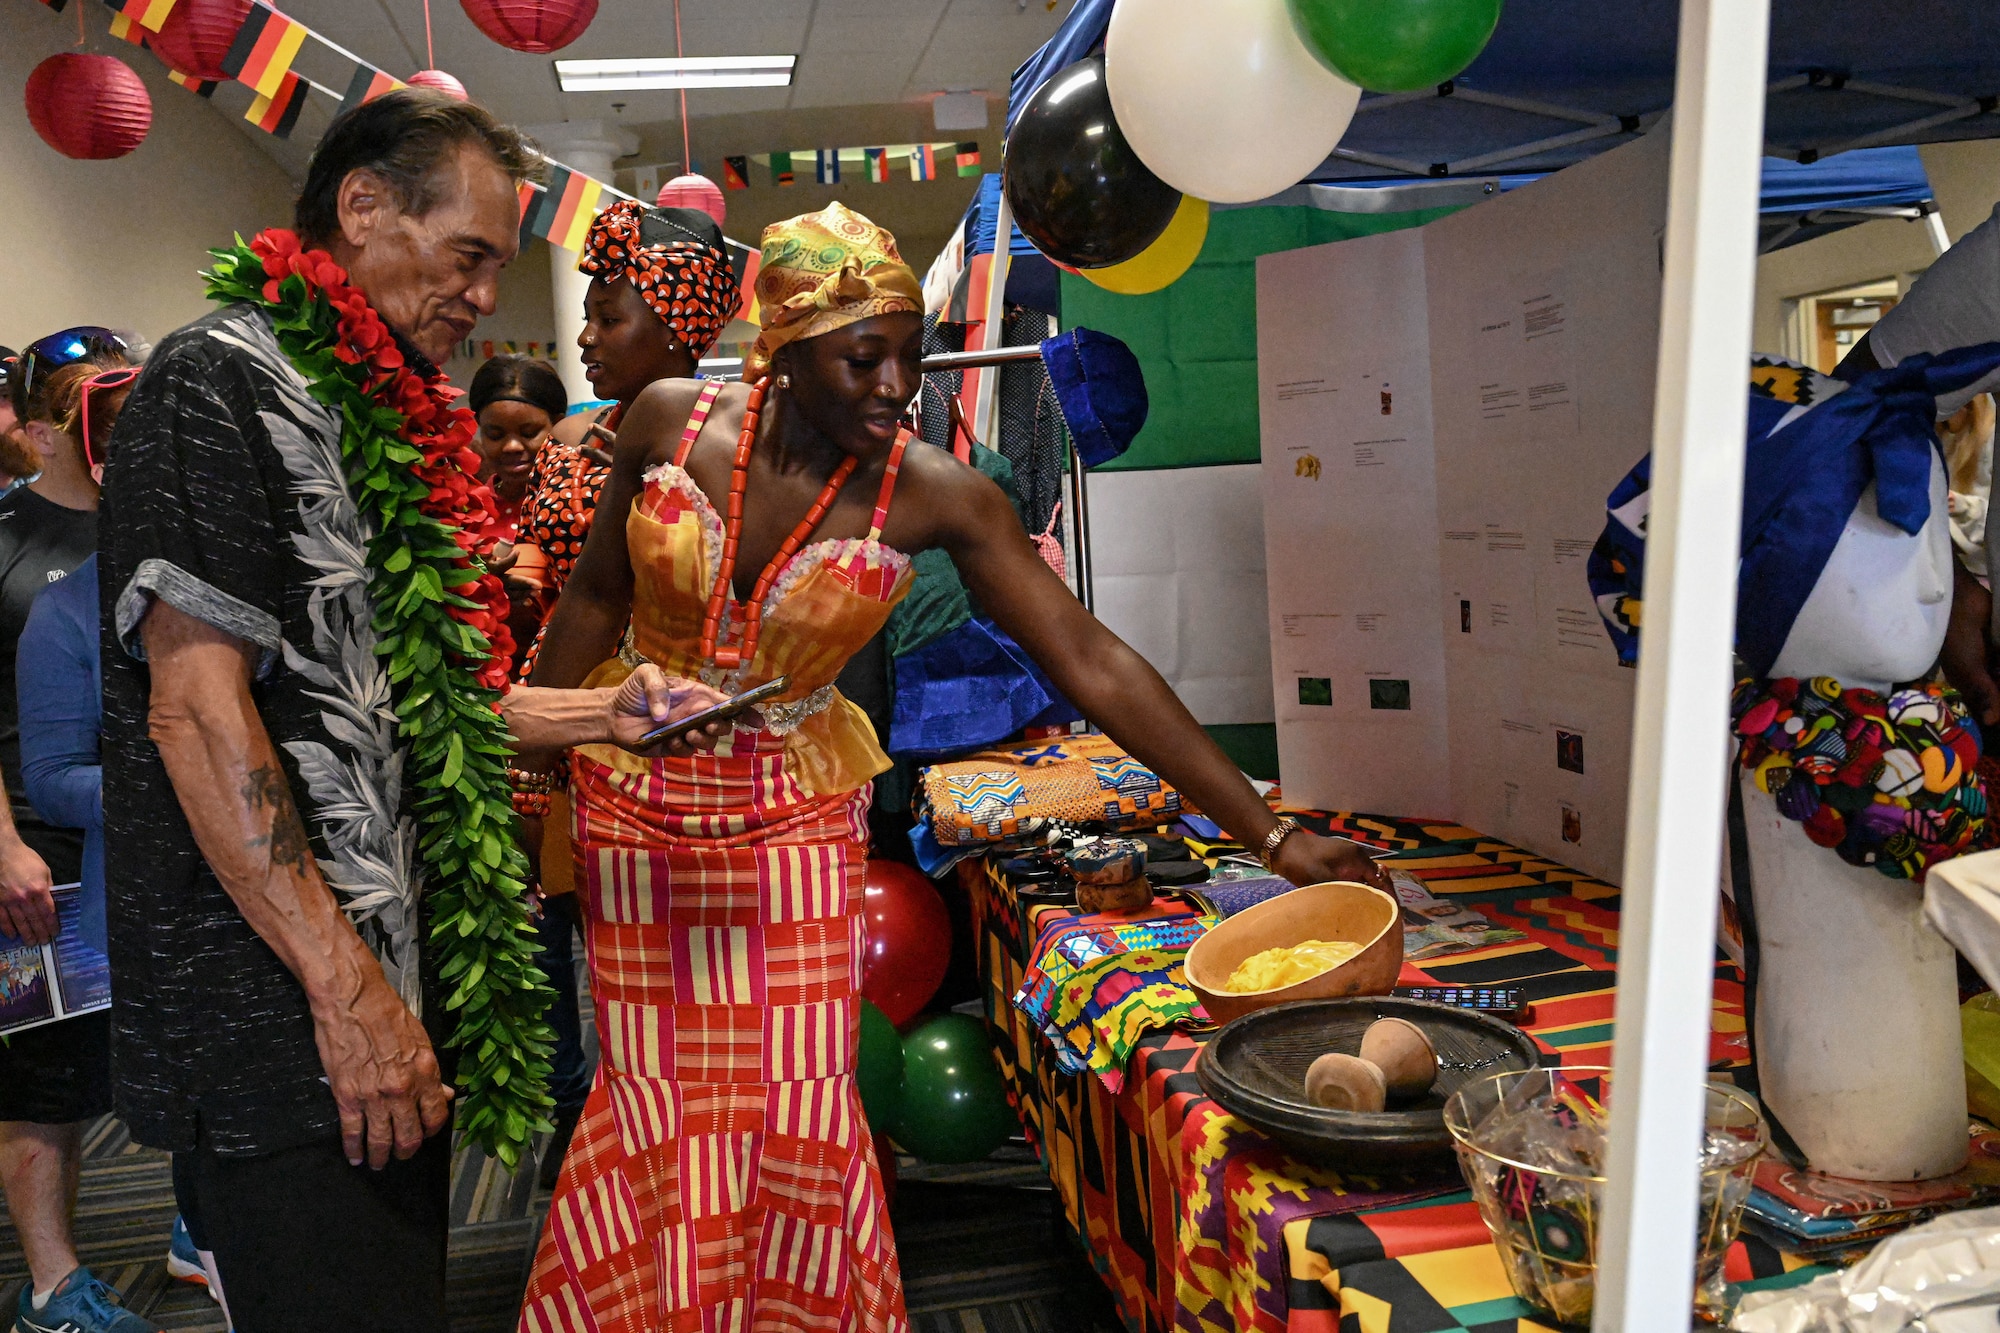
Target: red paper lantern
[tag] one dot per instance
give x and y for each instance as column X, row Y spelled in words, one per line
column 197, row 34
column 693, row 192
column 535, row 26
column 440, row 81
column 89, row 107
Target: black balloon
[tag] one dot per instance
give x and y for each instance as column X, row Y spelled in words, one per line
column 1077, row 189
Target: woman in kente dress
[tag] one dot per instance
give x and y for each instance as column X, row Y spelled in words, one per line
column 723, row 1175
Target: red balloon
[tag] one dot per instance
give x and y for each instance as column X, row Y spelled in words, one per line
column 535, row 26
column 907, row 942
column 197, row 34
column 88, row 106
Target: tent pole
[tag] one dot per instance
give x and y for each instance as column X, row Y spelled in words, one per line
column 1673, row 846
column 986, row 399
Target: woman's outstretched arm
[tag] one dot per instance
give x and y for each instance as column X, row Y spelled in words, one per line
column 1116, row 689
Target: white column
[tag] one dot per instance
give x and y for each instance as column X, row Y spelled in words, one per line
column 589, row 146
column 1673, row 850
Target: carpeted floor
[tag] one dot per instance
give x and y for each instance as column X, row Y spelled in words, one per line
column 983, row 1247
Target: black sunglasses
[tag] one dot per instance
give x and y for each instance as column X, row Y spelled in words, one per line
column 62, row 349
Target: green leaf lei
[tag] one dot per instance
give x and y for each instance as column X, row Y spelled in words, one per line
column 439, row 615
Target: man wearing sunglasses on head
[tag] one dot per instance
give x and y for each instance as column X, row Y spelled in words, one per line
column 64, row 390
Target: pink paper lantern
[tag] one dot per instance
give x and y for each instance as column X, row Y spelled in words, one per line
column 88, row 106
column 197, row 34
column 693, row 192
column 535, row 26
column 440, row 81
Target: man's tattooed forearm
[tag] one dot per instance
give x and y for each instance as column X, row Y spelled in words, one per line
column 267, row 789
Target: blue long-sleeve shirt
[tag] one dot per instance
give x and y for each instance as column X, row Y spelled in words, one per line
column 57, row 683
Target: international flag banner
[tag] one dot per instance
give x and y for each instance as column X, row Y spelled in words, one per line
column 781, row 168
column 968, row 159
column 827, row 166
column 736, row 173
column 278, row 114
column 745, row 263
column 878, row 165
column 923, row 162
column 562, row 215
column 128, row 29
column 57, row 5
column 148, row 14
column 530, row 194
column 264, row 49
column 199, row 87
column 367, row 84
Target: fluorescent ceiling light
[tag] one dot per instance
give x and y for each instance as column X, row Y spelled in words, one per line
column 582, row 76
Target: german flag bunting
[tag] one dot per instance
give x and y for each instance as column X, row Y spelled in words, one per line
column 148, row 14
column 736, row 173
column 277, row 114
column 199, row 87
column 367, row 84
column 562, row 214
column 128, row 29
column 264, row 49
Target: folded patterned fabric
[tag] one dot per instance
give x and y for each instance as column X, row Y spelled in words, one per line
column 1019, row 789
column 1098, row 982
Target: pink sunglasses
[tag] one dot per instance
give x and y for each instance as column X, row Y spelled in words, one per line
column 104, row 379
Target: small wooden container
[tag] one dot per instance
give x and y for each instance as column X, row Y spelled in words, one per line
column 1129, row 896
column 1336, row 911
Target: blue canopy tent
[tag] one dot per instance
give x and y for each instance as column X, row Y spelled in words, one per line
column 1563, row 80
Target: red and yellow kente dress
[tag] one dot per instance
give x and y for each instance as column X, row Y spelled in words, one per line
column 722, row 1176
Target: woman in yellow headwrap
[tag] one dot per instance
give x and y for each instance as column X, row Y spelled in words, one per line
column 723, row 1175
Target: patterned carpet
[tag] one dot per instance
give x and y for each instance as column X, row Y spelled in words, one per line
column 982, row 1249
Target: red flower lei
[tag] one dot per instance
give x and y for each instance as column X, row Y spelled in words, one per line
column 433, row 423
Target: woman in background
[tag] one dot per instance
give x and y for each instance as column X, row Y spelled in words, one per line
column 661, row 292
column 518, row 401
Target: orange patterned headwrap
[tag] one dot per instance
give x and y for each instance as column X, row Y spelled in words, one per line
column 822, row 271
column 675, row 257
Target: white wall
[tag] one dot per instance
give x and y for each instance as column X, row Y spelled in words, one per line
column 1180, row 576
column 117, row 243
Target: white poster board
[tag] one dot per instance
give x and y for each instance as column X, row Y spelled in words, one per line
column 1515, row 345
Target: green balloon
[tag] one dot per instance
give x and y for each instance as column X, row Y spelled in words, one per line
column 1395, row 46
column 954, row 1104
column 881, row 1070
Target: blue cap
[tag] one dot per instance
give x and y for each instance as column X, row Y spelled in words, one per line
column 1101, row 390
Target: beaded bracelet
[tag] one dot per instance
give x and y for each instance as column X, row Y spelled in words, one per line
column 531, row 792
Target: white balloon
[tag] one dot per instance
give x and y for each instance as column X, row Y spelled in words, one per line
column 1221, row 98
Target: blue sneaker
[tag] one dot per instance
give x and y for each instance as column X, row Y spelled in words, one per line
column 183, row 1259
column 80, row 1304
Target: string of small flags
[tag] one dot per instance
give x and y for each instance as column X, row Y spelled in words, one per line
column 878, row 164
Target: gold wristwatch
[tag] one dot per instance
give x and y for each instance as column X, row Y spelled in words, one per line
column 1283, row 829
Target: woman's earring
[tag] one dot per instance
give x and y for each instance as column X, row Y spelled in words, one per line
column 784, row 381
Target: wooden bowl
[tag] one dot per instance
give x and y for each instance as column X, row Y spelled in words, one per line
column 1337, row 911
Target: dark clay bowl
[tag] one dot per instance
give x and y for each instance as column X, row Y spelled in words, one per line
column 1255, row 1067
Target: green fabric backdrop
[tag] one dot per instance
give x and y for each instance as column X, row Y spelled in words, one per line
column 1197, row 340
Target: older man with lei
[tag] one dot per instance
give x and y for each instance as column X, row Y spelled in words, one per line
column 723, row 1174
column 313, row 886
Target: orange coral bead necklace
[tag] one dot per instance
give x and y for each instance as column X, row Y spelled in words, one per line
column 745, row 652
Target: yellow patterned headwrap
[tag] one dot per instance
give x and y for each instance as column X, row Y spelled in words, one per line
column 822, row 271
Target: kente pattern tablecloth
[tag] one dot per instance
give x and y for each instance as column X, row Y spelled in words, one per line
column 1190, row 1214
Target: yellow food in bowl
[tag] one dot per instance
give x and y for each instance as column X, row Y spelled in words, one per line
column 1289, row 964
